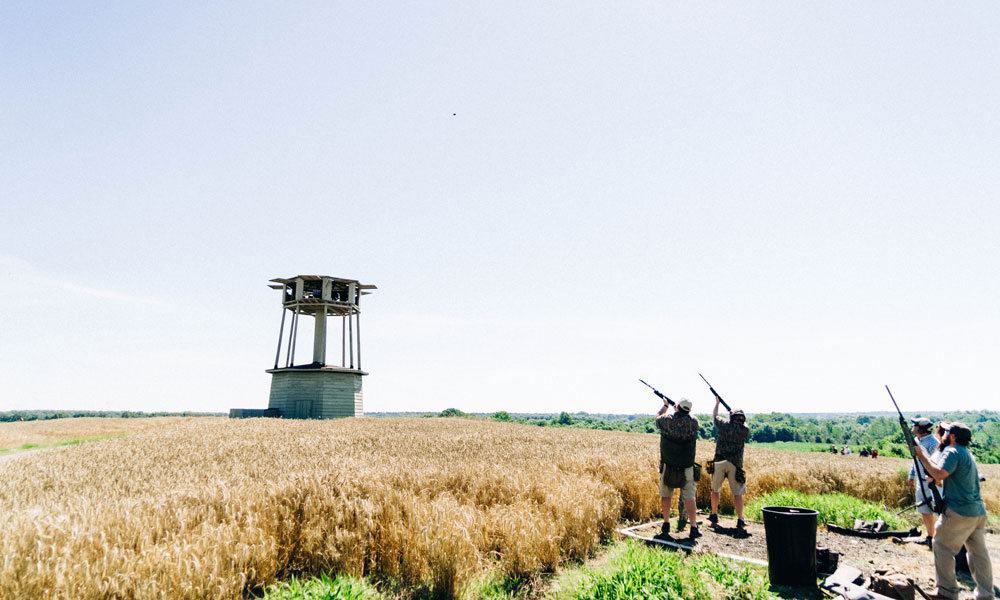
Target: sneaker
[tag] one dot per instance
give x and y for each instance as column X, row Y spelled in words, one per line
column 741, row 524
column 713, row 519
column 694, row 533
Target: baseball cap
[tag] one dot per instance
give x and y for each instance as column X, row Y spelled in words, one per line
column 923, row 423
column 961, row 433
column 684, row 404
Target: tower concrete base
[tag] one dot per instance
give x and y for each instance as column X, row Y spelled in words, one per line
column 316, row 392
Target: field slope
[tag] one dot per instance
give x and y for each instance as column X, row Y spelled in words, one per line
column 213, row 508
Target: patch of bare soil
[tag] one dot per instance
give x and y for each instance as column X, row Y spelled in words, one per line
column 916, row 561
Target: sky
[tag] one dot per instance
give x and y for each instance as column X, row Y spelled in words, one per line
column 798, row 200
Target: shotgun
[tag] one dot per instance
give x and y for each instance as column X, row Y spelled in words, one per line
column 658, row 394
column 717, row 396
column 937, row 505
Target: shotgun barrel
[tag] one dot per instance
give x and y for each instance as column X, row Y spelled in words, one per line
column 658, row 394
column 717, row 396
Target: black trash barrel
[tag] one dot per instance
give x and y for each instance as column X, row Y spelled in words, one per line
column 791, row 545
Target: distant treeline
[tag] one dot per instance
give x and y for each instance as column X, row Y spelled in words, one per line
column 44, row 415
column 858, row 431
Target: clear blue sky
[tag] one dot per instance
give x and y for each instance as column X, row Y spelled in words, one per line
column 798, row 199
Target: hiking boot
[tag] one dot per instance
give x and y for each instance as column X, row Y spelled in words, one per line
column 665, row 529
column 927, row 541
column 713, row 519
column 694, row 533
column 741, row 524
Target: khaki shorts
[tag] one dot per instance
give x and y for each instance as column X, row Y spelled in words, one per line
column 920, row 497
column 689, row 485
column 724, row 469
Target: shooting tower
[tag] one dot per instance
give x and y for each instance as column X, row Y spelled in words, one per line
column 316, row 390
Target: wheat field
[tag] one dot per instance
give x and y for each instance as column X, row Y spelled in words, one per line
column 217, row 508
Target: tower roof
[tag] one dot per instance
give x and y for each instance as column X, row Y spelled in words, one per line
column 286, row 281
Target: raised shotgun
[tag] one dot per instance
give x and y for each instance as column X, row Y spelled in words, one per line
column 937, row 505
column 717, row 396
column 659, row 395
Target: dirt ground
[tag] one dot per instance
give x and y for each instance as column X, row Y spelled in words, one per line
column 914, row 560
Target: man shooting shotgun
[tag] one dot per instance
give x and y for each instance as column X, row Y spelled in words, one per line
column 928, row 499
column 678, row 433
column 731, row 436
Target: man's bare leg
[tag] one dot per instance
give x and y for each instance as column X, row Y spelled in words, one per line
column 665, row 507
column 691, row 510
column 928, row 523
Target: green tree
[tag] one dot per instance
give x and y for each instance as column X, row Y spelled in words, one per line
column 501, row 416
column 784, row 434
column 765, row 434
column 564, row 419
column 451, row 412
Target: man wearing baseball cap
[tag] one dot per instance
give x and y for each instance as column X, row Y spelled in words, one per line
column 964, row 520
column 678, row 435
column 728, row 463
column 922, row 428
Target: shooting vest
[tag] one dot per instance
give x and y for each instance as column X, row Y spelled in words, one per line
column 731, row 439
column 677, row 453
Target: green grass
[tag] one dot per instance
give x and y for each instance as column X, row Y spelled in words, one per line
column 840, row 509
column 796, row 446
column 322, row 588
column 642, row 572
column 75, row 441
column 69, row 442
column 884, row 448
column 493, row 586
column 627, row 570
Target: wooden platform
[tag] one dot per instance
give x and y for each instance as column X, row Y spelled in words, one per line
column 679, row 544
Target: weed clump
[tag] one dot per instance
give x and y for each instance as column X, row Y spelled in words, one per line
column 839, row 509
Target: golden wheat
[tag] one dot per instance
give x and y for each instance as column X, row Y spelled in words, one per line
column 213, row 508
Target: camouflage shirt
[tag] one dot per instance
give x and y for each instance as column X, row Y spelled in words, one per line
column 679, row 426
column 678, row 435
column 732, row 437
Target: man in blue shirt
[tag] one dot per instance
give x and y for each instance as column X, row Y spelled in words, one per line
column 922, row 428
column 964, row 519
